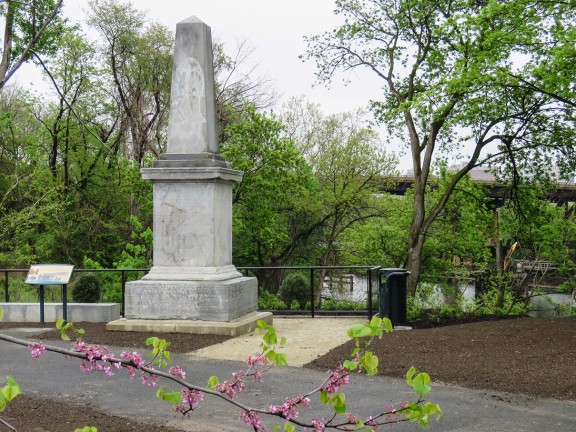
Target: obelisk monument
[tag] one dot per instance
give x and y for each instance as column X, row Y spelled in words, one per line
column 192, row 277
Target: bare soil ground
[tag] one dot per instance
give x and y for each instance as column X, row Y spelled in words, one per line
column 532, row 356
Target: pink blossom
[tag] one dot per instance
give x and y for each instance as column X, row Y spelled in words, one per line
column 351, row 418
column 338, row 378
column 253, row 419
column 190, row 400
column 135, row 358
column 318, row 426
column 177, row 372
column 36, row 349
column 230, row 388
column 288, row 408
column 257, row 360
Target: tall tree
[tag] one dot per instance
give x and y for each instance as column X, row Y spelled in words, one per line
column 451, row 86
column 138, row 58
column 274, row 203
column 29, row 27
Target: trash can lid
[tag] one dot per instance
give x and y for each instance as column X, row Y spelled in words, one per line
column 387, row 271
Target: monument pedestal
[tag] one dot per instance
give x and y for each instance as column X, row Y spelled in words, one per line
column 191, row 300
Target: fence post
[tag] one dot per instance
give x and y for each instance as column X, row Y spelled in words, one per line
column 6, row 295
column 312, row 292
column 369, row 276
column 123, row 293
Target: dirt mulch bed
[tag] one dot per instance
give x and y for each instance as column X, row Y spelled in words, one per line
column 41, row 415
column 531, row 356
column 96, row 333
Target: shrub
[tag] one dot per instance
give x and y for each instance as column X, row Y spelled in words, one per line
column 344, row 305
column 295, row 287
column 87, row 289
column 269, row 301
column 294, row 305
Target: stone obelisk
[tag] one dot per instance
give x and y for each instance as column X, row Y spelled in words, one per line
column 192, row 284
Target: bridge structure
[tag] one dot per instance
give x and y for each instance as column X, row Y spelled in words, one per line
column 498, row 192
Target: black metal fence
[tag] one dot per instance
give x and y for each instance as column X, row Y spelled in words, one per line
column 370, row 274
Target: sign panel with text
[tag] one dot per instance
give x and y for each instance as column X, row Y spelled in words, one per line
column 49, row 274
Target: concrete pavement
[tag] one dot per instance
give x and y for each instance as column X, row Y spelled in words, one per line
column 52, row 376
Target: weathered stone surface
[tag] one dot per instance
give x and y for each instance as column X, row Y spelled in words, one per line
column 192, row 120
column 77, row 312
column 194, row 300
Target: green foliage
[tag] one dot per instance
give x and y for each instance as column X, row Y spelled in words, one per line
column 64, row 326
column 367, row 359
column 9, row 392
column 172, row 397
column 274, row 196
column 295, row 305
column 347, row 305
column 269, row 301
column 161, row 355
column 87, row 289
column 87, row 429
column 270, row 343
column 295, row 288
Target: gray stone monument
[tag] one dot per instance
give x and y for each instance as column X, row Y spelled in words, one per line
column 193, row 285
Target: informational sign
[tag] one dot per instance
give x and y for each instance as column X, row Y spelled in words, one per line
column 49, row 274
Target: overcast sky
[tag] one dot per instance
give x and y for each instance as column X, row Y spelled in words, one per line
column 275, row 29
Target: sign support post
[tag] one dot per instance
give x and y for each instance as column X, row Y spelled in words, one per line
column 50, row 274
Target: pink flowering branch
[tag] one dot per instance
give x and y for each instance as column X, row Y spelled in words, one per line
column 96, row 358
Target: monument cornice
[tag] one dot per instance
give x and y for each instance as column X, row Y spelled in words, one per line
column 172, row 174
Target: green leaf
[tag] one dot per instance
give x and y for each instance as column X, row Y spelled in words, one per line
column 213, row 381
column 420, row 383
column 388, row 327
column 172, row 397
column 60, row 323
column 1, row 313
column 289, row 427
column 350, row 365
column 324, row 397
column 281, row 359
column 338, row 402
column 410, row 374
column 360, row 330
column 9, row 392
column 370, row 362
column 434, row 409
column 86, row 429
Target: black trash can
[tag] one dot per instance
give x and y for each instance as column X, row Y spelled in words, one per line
column 392, row 295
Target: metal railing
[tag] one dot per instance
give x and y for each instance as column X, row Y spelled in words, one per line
column 370, row 270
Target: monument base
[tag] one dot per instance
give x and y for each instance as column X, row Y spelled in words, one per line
column 236, row 327
column 216, row 300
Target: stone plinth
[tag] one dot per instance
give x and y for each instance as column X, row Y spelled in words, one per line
column 204, row 300
column 237, row 327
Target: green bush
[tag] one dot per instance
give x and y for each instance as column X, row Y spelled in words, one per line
column 295, row 287
column 87, row 289
column 294, row 305
column 347, row 305
column 269, row 301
